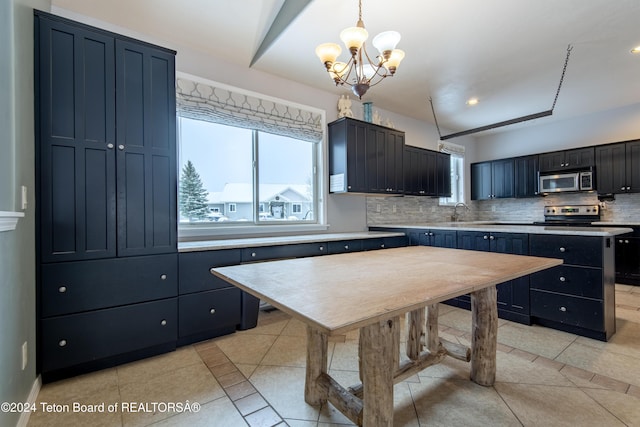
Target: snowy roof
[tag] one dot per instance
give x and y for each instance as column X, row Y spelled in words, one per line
column 243, row 193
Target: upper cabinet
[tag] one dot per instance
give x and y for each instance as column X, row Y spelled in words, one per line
column 492, row 180
column 526, row 176
column 365, row 158
column 426, row 172
column 105, row 144
column 618, row 167
column 566, row 160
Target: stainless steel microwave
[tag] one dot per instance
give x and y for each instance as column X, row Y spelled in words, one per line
column 571, row 181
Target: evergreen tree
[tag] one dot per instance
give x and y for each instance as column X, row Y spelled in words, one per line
column 193, row 196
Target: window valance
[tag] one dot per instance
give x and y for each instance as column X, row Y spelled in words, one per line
column 200, row 101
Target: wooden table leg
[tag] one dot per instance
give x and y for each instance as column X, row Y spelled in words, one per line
column 433, row 340
column 415, row 333
column 377, row 355
column 317, row 344
column 484, row 335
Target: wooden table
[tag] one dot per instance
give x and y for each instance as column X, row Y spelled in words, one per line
column 334, row 294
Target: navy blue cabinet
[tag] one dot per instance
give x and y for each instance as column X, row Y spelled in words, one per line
column 579, row 295
column 513, row 295
column 106, row 183
column 435, row 237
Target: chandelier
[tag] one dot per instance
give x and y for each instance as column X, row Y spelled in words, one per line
column 356, row 73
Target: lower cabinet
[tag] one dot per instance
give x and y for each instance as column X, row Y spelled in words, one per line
column 627, row 259
column 513, row 295
column 579, row 295
column 84, row 341
column 208, row 314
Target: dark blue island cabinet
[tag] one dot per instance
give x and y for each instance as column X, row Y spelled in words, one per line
column 107, row 262
column 579, row 295
column 513, row 296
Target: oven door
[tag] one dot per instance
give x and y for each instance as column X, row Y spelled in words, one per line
column 559, row 182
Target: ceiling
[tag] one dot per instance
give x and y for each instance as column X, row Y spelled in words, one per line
column 508, row 54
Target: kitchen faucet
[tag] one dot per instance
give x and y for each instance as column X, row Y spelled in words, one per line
column 456, row 216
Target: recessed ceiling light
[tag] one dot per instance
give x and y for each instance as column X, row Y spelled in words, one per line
column 635, row 49
column 472, row 101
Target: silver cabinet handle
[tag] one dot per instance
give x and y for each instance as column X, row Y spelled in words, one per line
column 62, row 343
column 346, row 247
column 628, row 188
column 563, row 309
column 626, row 241
column 563, row 279
column 485, row 237
column 622, row 188
column 62, row 289
column 322, row 248
column 491, row 237
column 253, row 254
column 163, row 323
column 562, row 249
column 382, row 246
column 120, row 147
column 212, row 311
column 110, row 146
column 163, row 277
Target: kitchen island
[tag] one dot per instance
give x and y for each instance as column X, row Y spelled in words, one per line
column 577, row 297
column 371, row 291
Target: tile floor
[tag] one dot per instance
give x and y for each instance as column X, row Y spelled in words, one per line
column 256, row 378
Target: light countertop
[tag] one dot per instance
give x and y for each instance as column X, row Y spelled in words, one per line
column 513, row 227
column 281, row 240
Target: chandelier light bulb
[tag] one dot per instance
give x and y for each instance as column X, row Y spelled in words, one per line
column 353, row 38
column 328, row 53
column 394, row 60
column 385, row 42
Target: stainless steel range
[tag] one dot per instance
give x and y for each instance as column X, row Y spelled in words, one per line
column 571, row 215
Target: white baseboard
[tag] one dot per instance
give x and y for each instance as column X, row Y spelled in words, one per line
column 33, row 396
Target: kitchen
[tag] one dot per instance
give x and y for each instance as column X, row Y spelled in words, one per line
column 345, row 213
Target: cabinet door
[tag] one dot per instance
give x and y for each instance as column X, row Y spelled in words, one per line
column 356, row 141
column 394, row 154
column 473, row 240
column 481, row 181
column 411, row 168
column 610, row 168
column 376, row 164
column 146, row 150
column 526, row 176
column 579, row 158
column 553, row 161
column 443, row 175
column 75, row 90
column 444, row 238
column 633, row 166
column 502, row 178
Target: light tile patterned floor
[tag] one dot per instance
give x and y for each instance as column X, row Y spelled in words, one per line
column 256, row 378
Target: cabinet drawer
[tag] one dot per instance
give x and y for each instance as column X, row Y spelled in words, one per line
column 345, row 246
column 566, row 279
column 195, row 274
column 384, row 243
column 582, row 312
column 576, row 250
column 283, row 251
column 73, row 287
column 77, row 338
column 209, row 311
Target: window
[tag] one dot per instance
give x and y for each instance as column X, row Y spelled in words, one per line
column 457, row 173
column 241, row 168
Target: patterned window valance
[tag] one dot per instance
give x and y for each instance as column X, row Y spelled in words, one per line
column 449, row 148
column 200, row 101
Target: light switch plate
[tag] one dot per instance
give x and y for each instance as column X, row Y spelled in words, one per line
column 24, row 197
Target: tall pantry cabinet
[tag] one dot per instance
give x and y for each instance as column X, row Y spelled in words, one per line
column 106, row 197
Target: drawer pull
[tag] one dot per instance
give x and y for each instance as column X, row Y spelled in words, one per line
column 485, row 237
column 563, row 279
column 212, row 311
column 62, row 343
column 163, row 277
column 562, row 249
column 322, row 248
column 62, row 289
column 382, row 246
column 253, row 254
column 346, row 247
column 163, row 323
column 563, row 309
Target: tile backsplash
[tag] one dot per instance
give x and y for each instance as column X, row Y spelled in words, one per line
column 415, row 210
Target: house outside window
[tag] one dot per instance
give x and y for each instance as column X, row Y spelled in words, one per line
column 253, row 174
column 456, row 153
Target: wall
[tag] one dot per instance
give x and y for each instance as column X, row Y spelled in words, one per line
column 17, row 248
column 615, row 125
